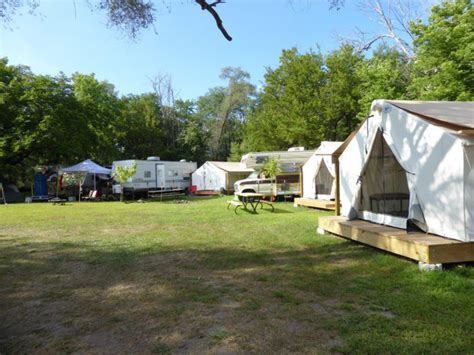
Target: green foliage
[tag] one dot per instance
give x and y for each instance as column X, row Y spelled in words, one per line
column 289, row 104
column 122, row 173
column 236, row 151
column 384, row 75
column 341, row 94
column 307, row 99
column 225, row 109
column 271, row 168
column 444, row 48
column 141, row 131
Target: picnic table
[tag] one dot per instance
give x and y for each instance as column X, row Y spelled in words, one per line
column 57, row 200
column 249, row 201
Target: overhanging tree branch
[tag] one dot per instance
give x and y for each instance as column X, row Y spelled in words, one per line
column 210, row 8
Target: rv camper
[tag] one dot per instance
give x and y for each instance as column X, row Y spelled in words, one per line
column 287, row 181
column 154, row 174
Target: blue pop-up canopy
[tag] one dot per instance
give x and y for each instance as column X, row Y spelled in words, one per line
column 87, row 166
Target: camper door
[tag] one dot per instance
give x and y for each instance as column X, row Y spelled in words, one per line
column 160, row 176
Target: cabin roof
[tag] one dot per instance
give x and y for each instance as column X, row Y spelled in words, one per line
column 232, row 167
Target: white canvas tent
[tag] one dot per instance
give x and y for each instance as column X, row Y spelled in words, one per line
column 412, row 164
column 219, row 176
column 319, row 173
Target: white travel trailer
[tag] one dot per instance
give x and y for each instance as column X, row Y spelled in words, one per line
column 154, row 174
column 219, row 176
column 411, row 163
column 319, row 173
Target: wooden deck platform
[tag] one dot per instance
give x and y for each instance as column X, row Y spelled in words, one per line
column 207, row 193
column 423, row 247
column 309, row 202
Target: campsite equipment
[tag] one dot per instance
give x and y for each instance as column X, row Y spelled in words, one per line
column 411, row 164
column 2, row 196
column 85, row 168
column 154, row 175
column 40, row 186
column 9, row 193
column 219, row 176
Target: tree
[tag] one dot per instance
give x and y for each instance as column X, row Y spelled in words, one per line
column 384, row 76
column 122, row 174
column 444, row 49
column 41, row 122
column 140, row 130
column 290, row 105
column 225, row 110
column 193, row 138
column 100, row 103
column 341, row 94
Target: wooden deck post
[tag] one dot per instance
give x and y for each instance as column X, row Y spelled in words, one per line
column 338, row 194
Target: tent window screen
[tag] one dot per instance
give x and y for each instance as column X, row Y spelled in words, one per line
column 384, row 182
column 323, row 180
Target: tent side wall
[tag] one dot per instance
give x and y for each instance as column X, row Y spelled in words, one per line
column 469, row 189
column 352, row 161
column 432, row 158
column 197, row 178
column 309, row 173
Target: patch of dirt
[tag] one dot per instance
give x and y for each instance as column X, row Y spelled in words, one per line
column 167, row 302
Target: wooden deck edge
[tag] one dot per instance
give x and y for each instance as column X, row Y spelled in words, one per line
column 401, row 243
column 321, row 204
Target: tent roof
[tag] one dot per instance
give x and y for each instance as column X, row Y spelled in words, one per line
column 232, row 167
column 457, row 115
column 454, row 115
column 327, row 148
column 87, row 166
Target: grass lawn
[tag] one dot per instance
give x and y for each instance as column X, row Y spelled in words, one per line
column 193, row 277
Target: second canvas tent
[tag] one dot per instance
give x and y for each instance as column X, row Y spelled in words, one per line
column 319, row 173
column 219, row 176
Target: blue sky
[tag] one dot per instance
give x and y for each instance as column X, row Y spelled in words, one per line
column 187, row 45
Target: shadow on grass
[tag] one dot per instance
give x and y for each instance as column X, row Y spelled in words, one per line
column 57, row 295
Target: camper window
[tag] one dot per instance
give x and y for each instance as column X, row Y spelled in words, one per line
column 147, row 174
column 261, row 159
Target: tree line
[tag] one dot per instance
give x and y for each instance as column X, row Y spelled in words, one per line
column 307, row 98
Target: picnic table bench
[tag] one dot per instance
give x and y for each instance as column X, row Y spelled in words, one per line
column 249, row 201
column 235, row 203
